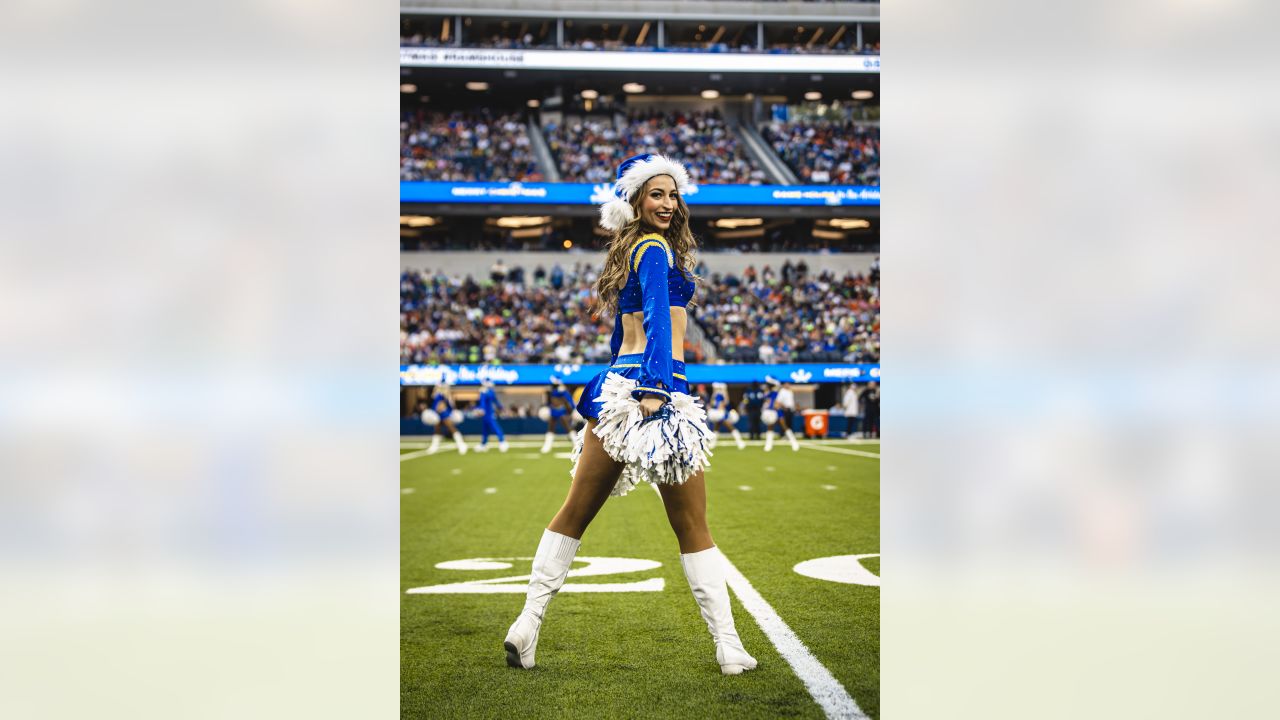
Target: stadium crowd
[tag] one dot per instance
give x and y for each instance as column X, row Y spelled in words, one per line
column 827, row 152
column 587, row 149
column 465, row 147
column 790, row 315
column 509, row 317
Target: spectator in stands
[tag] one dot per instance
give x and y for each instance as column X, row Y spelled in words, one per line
column 585, row 150
column 827, row 152
column 466, row 147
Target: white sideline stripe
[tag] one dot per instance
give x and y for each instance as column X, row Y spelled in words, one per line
column 750, row 443
column 474, row 440
column 830, row 695
column 842, row 451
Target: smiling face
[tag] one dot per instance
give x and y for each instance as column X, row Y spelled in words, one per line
column 658, row 202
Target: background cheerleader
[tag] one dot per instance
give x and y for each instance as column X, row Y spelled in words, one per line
column 779, row 408
column 444, row 417
column 559, row 411
column 721, row 416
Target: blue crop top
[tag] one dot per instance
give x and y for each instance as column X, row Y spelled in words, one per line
column 654, row 284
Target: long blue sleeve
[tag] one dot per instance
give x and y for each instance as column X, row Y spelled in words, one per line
column 650, row 263
column 615, row 342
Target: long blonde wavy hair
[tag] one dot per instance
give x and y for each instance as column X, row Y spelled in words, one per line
column 678, row 235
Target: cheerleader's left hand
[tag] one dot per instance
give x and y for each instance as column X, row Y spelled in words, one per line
column 650, row 404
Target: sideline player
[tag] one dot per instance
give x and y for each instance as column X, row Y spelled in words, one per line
column 490, row 405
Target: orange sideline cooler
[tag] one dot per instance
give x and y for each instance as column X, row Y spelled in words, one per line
column 816, row 423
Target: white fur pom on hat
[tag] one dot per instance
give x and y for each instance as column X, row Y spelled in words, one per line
column 633, row 173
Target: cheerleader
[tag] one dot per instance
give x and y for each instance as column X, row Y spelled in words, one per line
column 721, row 415
column 779, row 408
column 642, row 425
column 489, row 406
column 558, row 412
column 443, row 415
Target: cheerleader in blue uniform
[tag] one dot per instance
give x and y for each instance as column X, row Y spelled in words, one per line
column 443, row 415
column 559, row 411
column 642, row 425
column 779, row 409
column 722, row 416
column 489, row 406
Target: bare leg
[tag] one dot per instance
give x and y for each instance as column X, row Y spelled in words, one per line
column 687, row 511
column 597, row 474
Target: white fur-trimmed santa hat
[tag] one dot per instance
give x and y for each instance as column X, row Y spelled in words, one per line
column 633, row 173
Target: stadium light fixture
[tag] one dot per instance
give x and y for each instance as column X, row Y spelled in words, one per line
column 568, row 244
column 523, row 221
column 417, row 220
column 478, row 86
column 589, row 94
column 408, row 88
column 863, row 94
column 633, row 88
column 850, row 223
column 710, row 94
column 813, row 95
column 533, row 102
column 733, row 223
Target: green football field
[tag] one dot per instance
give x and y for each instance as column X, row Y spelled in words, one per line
column 631, row 643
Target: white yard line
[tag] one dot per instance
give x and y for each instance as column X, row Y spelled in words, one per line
column 842, row 451
column 830, row 695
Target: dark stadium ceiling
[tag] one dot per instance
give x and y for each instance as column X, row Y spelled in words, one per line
column 446, row 87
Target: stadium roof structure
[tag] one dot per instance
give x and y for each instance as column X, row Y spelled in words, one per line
column 653, row 10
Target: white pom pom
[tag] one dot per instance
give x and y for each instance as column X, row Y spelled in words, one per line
column 715, row 415
column 733, row 417
column 615, row 214
column 544, row 414
column 769, row 416
column 456, row 417
column 430, row 417
column 666, row 450
column 577, row 418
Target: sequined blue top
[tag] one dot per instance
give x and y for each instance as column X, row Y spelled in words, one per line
column 560, row 398
column 771, row 399
column 654, row 285
column 441, row 405
column 719, row 400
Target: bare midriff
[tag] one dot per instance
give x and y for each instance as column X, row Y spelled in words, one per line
column 633, row 339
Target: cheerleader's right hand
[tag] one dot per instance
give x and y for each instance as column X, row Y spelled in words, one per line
column 650, row 404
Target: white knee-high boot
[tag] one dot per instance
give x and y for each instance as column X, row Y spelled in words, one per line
column 546, row 443
column 435, row 444
column 737, row 437
column 768, row 441
column 462, row 445
column 795, row 445
column 705, row 572
column 550, row 567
